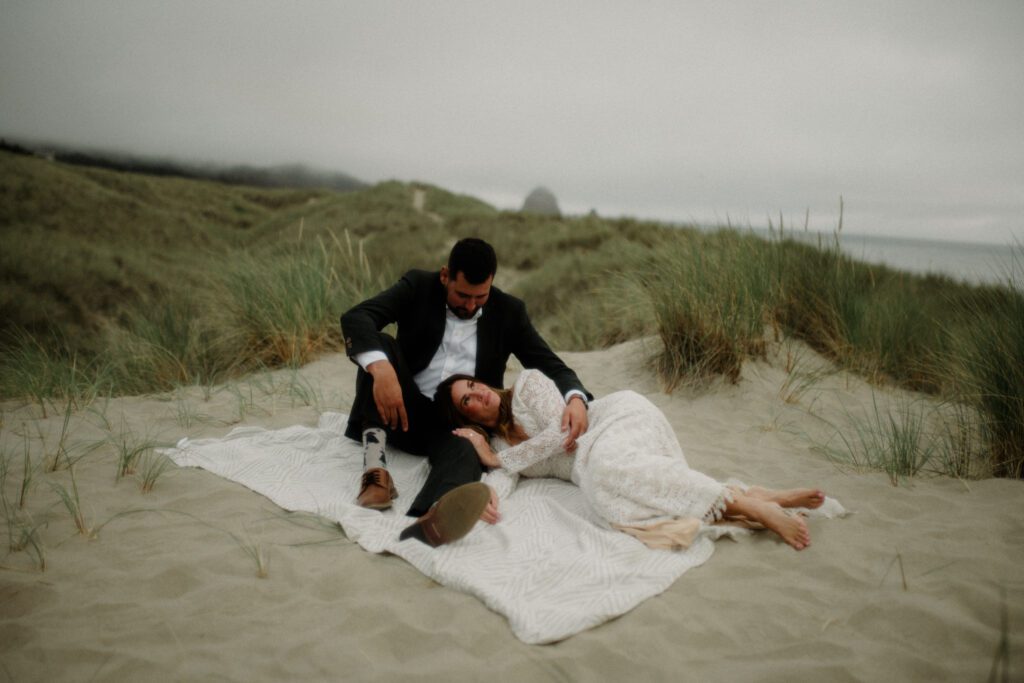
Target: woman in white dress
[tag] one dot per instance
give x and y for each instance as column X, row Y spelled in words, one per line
column 628, row 464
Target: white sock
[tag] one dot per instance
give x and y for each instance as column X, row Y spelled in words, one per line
column 374, row 440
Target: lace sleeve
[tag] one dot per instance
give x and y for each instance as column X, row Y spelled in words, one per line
column 543, row 403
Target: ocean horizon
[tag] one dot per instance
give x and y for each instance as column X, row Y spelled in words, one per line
column 975, row 263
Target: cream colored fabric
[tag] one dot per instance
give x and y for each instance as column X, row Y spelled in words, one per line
column 628, row 464
column 671, row 534
column 547, row 565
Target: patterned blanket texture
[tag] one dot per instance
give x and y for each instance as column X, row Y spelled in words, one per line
column 548, row 566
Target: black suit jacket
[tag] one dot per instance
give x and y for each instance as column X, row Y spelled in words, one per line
column 417, row 303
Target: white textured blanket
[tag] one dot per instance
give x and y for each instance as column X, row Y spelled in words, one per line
column 546, row 566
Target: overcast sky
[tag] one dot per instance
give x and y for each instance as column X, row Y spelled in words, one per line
column 683, row 111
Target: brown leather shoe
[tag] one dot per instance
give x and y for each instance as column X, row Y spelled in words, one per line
column 377, row 489
column 452, row 516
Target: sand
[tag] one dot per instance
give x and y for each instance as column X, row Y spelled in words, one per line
column 915, row 585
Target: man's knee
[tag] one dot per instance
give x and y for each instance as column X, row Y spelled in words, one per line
column 459, row 461
column 468, row 460
column 364, row 407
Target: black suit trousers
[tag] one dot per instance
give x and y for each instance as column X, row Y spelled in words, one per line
column 453, row 460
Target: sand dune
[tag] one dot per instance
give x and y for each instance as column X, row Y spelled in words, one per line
column 913, row 586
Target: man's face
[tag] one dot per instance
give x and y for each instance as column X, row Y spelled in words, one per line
column 463, row 298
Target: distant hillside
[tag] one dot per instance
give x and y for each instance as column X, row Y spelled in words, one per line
column 80, row 245
column 296, row 176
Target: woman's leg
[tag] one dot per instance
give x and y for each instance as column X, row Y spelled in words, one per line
column 789, row 498
column 792, row 529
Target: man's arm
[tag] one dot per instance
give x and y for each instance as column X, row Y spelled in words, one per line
column 387, row 394
column 533, row 352
column 360, row 327
column 361, row 323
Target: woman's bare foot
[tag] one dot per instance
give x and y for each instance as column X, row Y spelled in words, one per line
column 789, row 498
column 791, row 528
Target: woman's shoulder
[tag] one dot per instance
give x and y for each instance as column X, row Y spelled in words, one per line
column 531, row 376
column 535, row 390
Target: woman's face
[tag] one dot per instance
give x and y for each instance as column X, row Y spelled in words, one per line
column 476, row 401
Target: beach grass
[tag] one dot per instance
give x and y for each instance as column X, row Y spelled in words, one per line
column 583, row 299
column 709, row 309
column 129, row 449
column 245, row 398
column 802, row 374
column 22, row 530
column 894, row 440
column 169, row 340
column 1000, row 671
column 6, row 506
column 44, row 368
column 909, row 438
column 190, row 283
column 28, row 470
column 23, row 534
column 961, row 444
column 257, row 551
column 62, row 453
column 991, row 365
column 283, row 308
column 185, row 413
column 72, row 502
column 302, row 390
column 260, row 555
column 151, row 466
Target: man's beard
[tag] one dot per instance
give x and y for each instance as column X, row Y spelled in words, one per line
column 462, row 313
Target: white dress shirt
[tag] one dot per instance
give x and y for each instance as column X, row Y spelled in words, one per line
column 456, row 354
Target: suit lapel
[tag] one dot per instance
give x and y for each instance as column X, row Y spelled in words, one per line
column 486, row 343
column 434, row 321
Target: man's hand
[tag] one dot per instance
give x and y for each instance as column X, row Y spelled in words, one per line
column 387, row 394
column 574, row 420
column 490, row 513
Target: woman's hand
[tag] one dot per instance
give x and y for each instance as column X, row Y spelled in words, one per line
column 490, row 513
column 483, row 449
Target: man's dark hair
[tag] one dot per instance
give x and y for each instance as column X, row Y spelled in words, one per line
column 474, row 258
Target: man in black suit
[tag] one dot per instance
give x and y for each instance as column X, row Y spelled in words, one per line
column 452, row 321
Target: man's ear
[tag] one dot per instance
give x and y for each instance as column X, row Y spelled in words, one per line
column 444, row 275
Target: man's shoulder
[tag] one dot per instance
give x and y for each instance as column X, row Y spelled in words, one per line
column 503, row 299
column 420, row 277
column 423, row 283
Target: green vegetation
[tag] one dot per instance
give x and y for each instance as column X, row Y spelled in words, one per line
column 116, row 283
column 896, row 441
column 73, row 503
column 130, row 450
column 151, row 467
column 990, row 354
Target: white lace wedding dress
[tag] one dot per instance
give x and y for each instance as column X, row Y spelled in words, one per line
column 628, row 464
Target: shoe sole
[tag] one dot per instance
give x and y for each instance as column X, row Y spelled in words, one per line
column 452, row 517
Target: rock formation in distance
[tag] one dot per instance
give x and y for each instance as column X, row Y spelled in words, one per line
column 541, row 201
